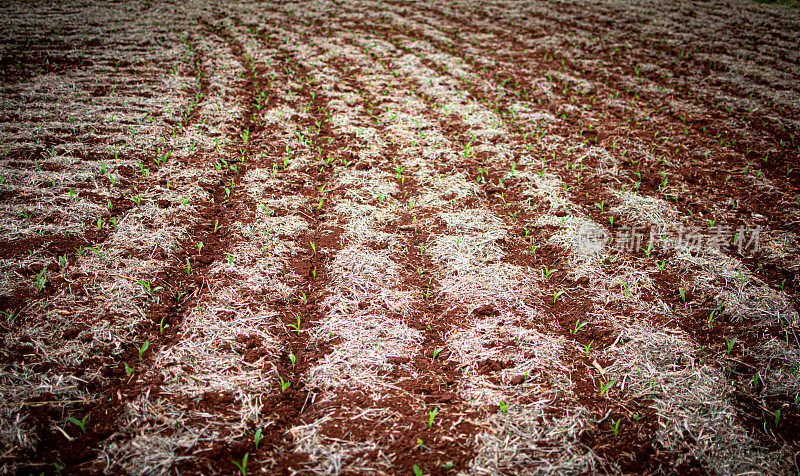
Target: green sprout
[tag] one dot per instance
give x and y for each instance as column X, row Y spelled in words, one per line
column 730, row 343
column 284, row 383
column 143, row 348
column 588, row 346
column 257, row 438
column 162, row 326
column 80, row 423
column 605, row 387
column 578, row 326
column 615, row 428
column 431, row 415
column 435, row 353
column 742, row 278
column 556, row 294
column 149, row 287
column 243, row 465
column 293, row 359
column 41, row 280
column 683, row 294
column 503, row 407
column 9, row 315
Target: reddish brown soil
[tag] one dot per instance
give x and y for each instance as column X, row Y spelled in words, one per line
column 629, row 100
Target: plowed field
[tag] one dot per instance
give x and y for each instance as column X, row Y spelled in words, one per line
column 490, row 237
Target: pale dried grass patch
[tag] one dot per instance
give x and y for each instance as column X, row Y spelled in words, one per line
column 690, row 398
column 778, row 366
column 536, row 354
column 155, row 434
column 20, row 383
column 365, row 186
column 474, row 220
column 472, row 269
column 362, row 223
column 368, row 341
column 648, row 211
column 548, row 187
column 751, row 299
column 331, row 456
column 527, row 440
column 210, row 345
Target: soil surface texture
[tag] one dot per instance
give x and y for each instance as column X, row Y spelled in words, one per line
column 399, row 237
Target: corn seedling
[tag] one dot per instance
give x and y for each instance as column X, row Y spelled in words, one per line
column 661, row 266
column 149, row 287
column 284, row 383
column 303, row 298
column 128, row 369
column 188, row 267
column 293, row 359
column 257, row 437
column 578, row 326
column 296, row 327
column 615, row 428
column 683, row 294
column 41, row 280
column 606, row 387
column 556, row 294
column 417, row 470
column 143, row 348
column 313, row 247
column 162, row 325
column 435, row 353
column 626, row 288
column 9, row 315
column 742, row 278
column 730, row 343
column 777, row 417
column 80, row 423
column 503, row 407
column 431, row 415
column 586, row 347
column 242, row 465
column 548, row 272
